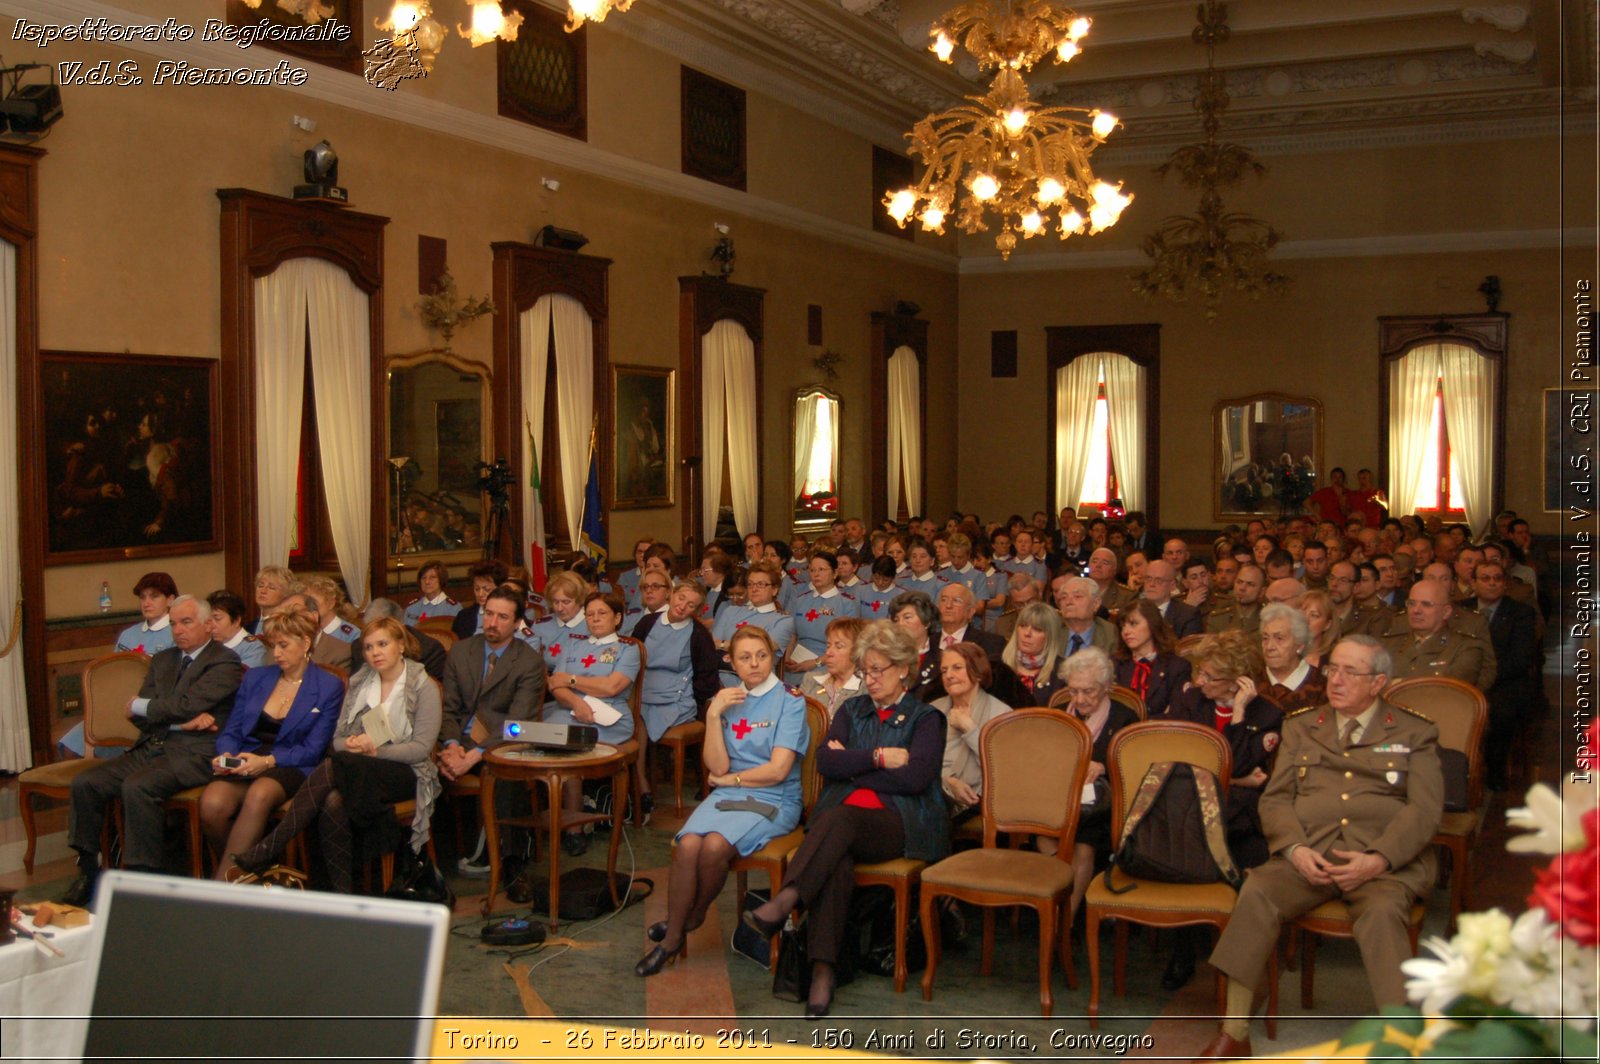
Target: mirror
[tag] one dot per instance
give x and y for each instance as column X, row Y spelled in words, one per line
column 816, row 458
column 439, row 408
column 1266, row 454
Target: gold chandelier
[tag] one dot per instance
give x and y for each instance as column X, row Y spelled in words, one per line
column 579, row 11
column 1213, row 250
column 1015, row 159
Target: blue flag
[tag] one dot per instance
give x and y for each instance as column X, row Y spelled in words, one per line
column 593, row 530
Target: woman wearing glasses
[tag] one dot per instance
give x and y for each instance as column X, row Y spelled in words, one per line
column 882, row 800
column 763, row 584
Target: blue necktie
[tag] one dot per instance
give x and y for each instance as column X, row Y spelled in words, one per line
column 1077, row 645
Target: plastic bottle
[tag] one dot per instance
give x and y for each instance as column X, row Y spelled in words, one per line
column 105, row 596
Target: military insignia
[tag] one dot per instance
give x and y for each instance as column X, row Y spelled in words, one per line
column 901, row 719
column 1301, row 772
column 812, row 615
column 608, row 658
column 793, row 690
column 587, row 661
column 347, row 629
column 1393, row 778
column 1269, row 741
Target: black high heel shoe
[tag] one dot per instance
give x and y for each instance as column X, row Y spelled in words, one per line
column 657, row 959
column 656, row 932
column 762, row 927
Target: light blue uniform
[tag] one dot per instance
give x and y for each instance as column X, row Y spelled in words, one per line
column 929, row 585
column 994, row 582
column 667, row 697
column 554, row 635
column 772, row 717
column 145, row 639
column 812, row 614
column 431, row 609
column 872, row 604
column 252, row 652
column 603, row 657
column 628, row 582
column 776, row 623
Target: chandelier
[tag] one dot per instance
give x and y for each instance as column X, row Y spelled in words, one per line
column 1016, row 160
column 1213, row 250
column 592, row 10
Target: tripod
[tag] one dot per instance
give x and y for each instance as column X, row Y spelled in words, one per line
column 498, row 525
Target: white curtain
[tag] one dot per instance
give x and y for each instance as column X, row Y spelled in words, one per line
column 1412, row 382
column 1469, row 415
column 574, row 335
column 713, row 427
column 1077, row 389
column 728, row 412
column 816, row 456
column 341, row 366
column 1125, row 405
column 280, row 308
column 535, row 326
column 15, row 747
column 905, row 430
column 805, row 437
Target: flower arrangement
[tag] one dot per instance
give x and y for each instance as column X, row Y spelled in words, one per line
column 1514, row 988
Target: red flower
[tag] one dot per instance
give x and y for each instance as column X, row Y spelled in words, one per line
column 1569, row 890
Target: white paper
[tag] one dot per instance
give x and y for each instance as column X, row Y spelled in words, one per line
column 375, row 722
column 1087, row 797
column 605, row 714
column 802, row 654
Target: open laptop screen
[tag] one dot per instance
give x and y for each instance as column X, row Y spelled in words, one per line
column 197, row 969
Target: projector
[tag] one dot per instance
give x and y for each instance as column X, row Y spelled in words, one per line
column 551, row 736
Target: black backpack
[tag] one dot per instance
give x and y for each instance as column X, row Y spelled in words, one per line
column 1175, row 831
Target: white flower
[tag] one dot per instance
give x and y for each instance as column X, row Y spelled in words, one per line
column 1465, row 965
column 1555, row 819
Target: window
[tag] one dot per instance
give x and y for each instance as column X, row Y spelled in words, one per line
column 341, row 55
column 542, row 74
column 713, row 129
column 1102, row 389
column 1439, row 486
column 1100, row 476
column 816, row 458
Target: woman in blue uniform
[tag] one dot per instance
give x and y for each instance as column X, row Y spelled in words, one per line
column 762, row 584
column 921, row 576
column 565, row 623
column 756, row 735
column 680, row 672
column 600, row 667
column 874, row 598
column 628, row 582
column 814, row 609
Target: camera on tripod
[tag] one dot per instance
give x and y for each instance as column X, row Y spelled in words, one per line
column 495, row 480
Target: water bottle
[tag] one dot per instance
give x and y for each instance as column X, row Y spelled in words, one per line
column 105, row 596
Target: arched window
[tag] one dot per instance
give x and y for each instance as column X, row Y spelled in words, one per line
column 816, row 458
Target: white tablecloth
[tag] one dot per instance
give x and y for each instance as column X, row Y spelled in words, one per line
column 36, row 987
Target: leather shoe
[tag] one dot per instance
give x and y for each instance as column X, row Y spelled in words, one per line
column 1226, row 1047
column 1180, row 969
column 80, row 893
column 575, row 843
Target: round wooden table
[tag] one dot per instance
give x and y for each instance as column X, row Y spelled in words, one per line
column 521, row 763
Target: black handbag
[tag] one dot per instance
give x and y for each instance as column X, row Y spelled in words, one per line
column 791, row 973
column 420, row 881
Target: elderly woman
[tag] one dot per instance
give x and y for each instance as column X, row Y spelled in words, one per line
column 601, row 668
column 565, row 622
column 282, row 719
column 967, row 705
column 837, row 680
column 763, row 585
column 756, row 735
column 920, row 574
column 273, row 584
column 1291, row 682
column 815, row 607
column 1324, row 630
column 680, row 674
column 1089, row 676
column 1147, row 660
column 331, row 645
column 915, row 612
column 381, row 755
column 1034, row 651
column 882, row 800
column 431, row 600
column 716, row 572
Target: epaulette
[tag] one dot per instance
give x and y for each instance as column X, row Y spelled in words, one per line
column 347, row 628
column 1298, row 712
column 1414, row 713
column 847, row 595
column 793, row 690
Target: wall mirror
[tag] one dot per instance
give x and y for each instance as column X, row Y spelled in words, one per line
column 438, row 419
column 816, row 458
column 1267, row 454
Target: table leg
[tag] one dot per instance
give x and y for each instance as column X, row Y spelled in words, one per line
column 491, row 834
column 553, row 796
column 619, row 780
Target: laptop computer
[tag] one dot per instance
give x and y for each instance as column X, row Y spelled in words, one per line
column 185, row 968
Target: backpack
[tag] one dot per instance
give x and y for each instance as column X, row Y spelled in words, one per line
column 1175, row 833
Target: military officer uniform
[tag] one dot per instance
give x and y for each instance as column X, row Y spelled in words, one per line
column 1381, row 793
column 1229, row 615
column 1448, row 652
column 1373, row 620
column 1117, row 597
column 1007, row 623
column 331, row 646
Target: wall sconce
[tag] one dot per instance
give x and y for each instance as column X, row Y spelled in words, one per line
column 312, row 11
column 489, row 23
column 411, row 22
column 579, row 11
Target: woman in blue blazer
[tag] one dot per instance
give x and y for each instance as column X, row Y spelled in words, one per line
column 279, row 730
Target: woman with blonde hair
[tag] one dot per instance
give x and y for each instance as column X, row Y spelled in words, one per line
column 837, row 679
column 273, row 585
column 1034, row 651
column 331, row 645
column 1318, row 609
column 382, row 754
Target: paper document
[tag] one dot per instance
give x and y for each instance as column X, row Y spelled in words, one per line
column 802, row 655
column 375, row 722
column 605, row 714
column 1087, row 798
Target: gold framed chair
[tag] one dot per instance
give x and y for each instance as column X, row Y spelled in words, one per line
column 1122, row 696
column 1019, row 799
column 109, row 684
column 1133, row 750
column 1462, row 713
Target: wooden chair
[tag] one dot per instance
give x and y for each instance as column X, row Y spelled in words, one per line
column 679, row 738
column 1331, row 918
column 445, row 636
column 773, row 858
column 109, row 683
column 1122, row 696
column 1188, row 643
column 901, row 875
column 405, row 812
column 1462, row 712
column 1133, row 750
column 440, row 628
column 1019, row 799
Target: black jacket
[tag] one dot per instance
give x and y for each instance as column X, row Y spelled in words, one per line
column 914, row 790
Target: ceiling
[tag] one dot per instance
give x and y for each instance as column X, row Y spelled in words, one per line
column 1299, row 71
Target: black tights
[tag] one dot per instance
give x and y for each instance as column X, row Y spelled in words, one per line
column 700, row 867
column 318, row 801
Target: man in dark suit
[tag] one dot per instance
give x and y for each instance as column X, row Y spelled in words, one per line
column 1512, row 625
column 488, row 679
column 1141, row 537
column 1160, row 581
column 186, row 697
column 429, row 650
column 1072, row 546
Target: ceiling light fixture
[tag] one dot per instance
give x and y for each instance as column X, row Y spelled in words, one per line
column 1016, row 160
column 490, row 23
column 581, row 11
column 1213, row 250
column 412, row 23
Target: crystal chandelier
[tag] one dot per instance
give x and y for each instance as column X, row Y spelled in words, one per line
column 1015, row 159
column 1213, row 250
column 579, row 11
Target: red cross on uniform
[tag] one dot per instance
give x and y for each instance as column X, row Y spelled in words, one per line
column 553, row 649
column 588, row 661
column 741, row 729
column 740, row 625
column 812, row 615
column 875, row 606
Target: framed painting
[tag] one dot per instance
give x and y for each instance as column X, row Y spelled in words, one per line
column 1568, row 430
column 130, row 448
column 641, row 415
column 1265, row 454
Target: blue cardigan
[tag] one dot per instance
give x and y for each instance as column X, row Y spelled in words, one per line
column 304, row 736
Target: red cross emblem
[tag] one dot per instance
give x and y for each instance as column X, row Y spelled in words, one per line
column 553, row 649
column 875, row 606
column 812, row 615
column 139, row 649
column 741, row 729
column 588, row 661
column 422, row 617
column 740, row 625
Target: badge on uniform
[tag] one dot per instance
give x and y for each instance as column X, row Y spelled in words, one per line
column 1269, row 741
column 609, row 657
column 1393, row 778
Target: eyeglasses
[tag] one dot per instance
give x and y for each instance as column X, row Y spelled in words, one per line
column 654, row 587
column 1342, row 671
column 1202, row 678
column 872, row 672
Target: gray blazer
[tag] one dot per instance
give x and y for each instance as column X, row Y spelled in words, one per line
column 208, row 685
column 514, row 691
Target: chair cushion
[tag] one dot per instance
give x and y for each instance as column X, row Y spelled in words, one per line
column 59, row 774
column 1334, row 912
column 693, row 731
column 1166, row 897
column 1022, row 873
column 896, row 868
column 1460, row 823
